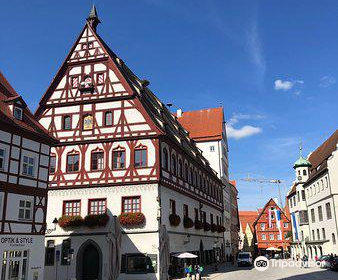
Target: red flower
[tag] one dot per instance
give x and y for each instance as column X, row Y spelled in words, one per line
column 96, row 220
column 187, row 222
column 198, row 224
column 132, row 219
column 213, row 227
column 207, row 226
column 70, row 221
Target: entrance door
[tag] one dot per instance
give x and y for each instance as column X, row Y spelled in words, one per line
column 90, row 263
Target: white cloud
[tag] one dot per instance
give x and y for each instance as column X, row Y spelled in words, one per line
column 244, row 131
column 327, row 81
column 288, row 85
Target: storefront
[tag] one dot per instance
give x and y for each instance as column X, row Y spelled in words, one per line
column 21, row 257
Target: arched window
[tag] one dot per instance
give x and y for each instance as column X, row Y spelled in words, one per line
column 119, row 158
column 333, row 239
column 304, row 172
column 67, row 123
column 186, row 172
column 191, row 178
column 165, row 159
column 180, row 169
column 173, row 164
column 73, row 159
column 108, row 118
column 97, row 160
column 140, row 156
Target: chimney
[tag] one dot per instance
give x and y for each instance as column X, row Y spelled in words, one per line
column 179, row 113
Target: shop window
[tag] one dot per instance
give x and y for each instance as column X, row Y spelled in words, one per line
column 139, row 263
column 50, row 253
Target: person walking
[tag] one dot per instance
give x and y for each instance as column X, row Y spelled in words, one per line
column 200, row 269
column 305, row 261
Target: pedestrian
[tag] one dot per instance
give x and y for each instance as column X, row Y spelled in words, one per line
column 196, row 272
column 305, row 260
column 201, row 268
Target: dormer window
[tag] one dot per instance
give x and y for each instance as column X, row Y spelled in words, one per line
column 17, row 113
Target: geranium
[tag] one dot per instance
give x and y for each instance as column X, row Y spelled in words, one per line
column 206, row 226
column 70, row 221
column 213, row 227
column 96, row 220
column 187, row 222
column 221, row 228
column 198, row 224
column 174, row 220
column 132, row 219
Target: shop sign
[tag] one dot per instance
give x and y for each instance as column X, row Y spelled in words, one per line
column 16, row 241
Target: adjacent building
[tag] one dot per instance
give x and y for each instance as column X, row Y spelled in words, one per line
column 24, row 161
column 207, row 128
column 272, row 232
column 313, row 201
column 247, row 231
column 122, row 153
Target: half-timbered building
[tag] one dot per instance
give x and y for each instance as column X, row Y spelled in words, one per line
column 24, row 160
column 121, row 152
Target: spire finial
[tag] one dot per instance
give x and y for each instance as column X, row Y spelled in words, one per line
column 300, row 148
column 93, row 18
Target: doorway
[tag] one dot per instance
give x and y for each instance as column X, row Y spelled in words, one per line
column 89, row 261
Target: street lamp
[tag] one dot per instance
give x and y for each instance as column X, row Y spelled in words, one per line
column 55, row 222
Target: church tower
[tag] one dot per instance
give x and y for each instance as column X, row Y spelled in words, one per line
column 302, row 167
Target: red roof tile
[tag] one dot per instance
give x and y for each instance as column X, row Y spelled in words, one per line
column 203, row 125
column 29, row 124
column 247, row 217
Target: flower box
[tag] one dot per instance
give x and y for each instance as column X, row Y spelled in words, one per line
column 213, row 227
column 132, row 219
column 187, row 222
column 221, row 229
column 198, row 224
column 70, row 221
column 206, row 226
column 100, row 220
column 174, row 220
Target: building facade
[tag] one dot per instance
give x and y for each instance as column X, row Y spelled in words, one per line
column 24, row 160
column 269, row 237
column 313, row 201
column 247, row 231
column 122, row 153
column 207, row 128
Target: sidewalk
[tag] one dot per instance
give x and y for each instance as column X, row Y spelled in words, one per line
column 210, row 273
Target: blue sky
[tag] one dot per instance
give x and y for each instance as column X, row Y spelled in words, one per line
column 273, row 65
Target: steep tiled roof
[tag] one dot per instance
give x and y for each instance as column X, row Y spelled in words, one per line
column 247, row 217
column 319, row 157
column 203, row 125
column 28, row 125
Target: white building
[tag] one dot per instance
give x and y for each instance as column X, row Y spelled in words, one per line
column 207, row 128
column 313, row 201
column 24, row 160
column 121, row 153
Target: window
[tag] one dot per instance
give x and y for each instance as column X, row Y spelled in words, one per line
column 97, row 206
column 333, row 239
column 186, row 172
column 100, row 78
column 131, row 204
column 212, row 148
column 65, row 250
column 50, row 253
column 263, row 236
column 119, row 158
column 108, row 118
column 67, row 123
column 25, row 210
column 262, row 226
column 328, row 211
column 322, row 184
column 180, row 169
column 140, row 264
column 2, row 158
column 165, row 159
column 279, row 237
column 313, row 215
column 173, row 164
column 172, row 206
column 323, row 233
column 303, row 195
column 74, row 82
column 318, row 235
column 320, row 213
column 72, row 162
column 211, row 218
column 52, row 164
column 196, row 214
column 285, row 225
column 313, row 235
column 141, row 157
column 17, row 113
column 28, row 166
column 97, row 160
column 272, row 237
column 17, row 265
column 185, row 210
column 72, row 208
column 304, row 172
